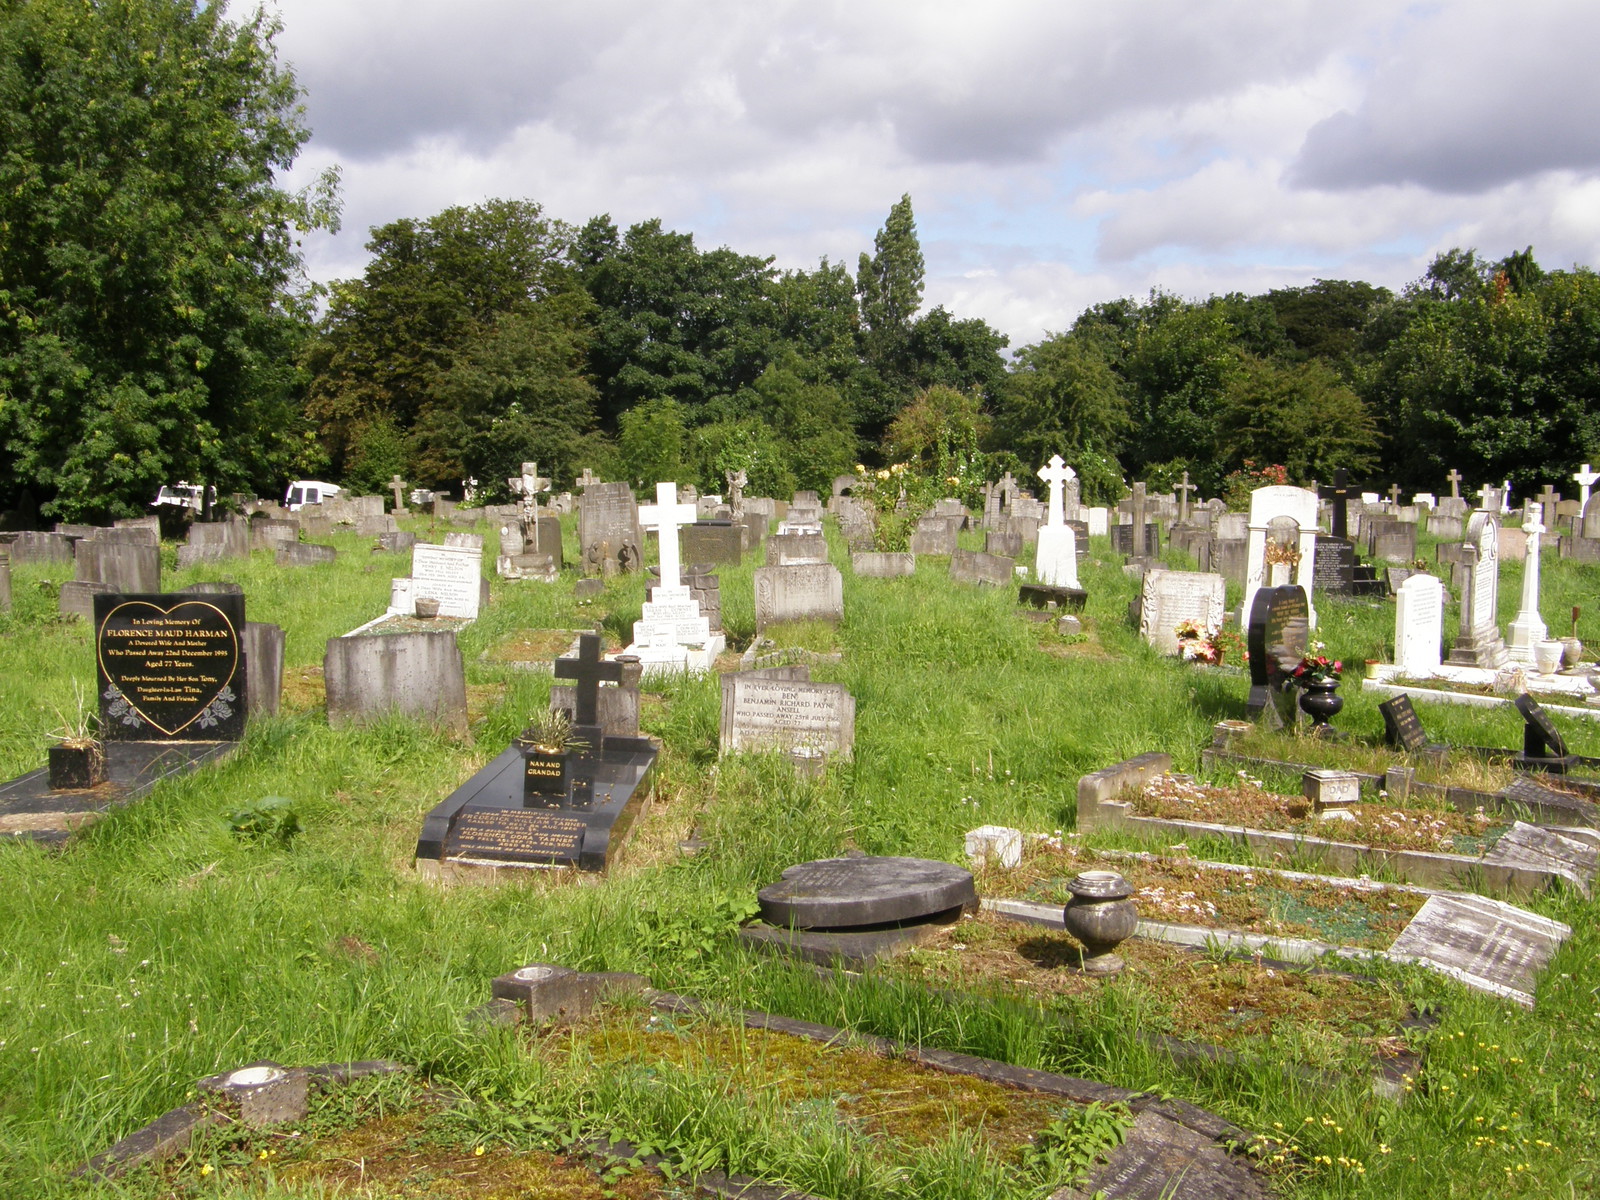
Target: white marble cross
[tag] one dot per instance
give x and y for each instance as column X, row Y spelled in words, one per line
column 1056, row 473
column 1486, row 496
column 665, row 516
column 1586, row 479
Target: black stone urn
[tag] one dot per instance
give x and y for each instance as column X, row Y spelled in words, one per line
column 1102, row 916
column 77, row 766
column 1320, row 700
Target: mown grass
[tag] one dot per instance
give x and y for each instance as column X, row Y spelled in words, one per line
column 161, row 946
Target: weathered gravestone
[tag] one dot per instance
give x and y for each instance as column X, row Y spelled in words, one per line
column 1279, row 630
column 1392, row 540
column 934, row 534
column 1172, row 597
column 874, row 565
column 610, row 538
column 1003, row 543
column 782, row 710
column 170, row 668
column 303, row 554
column 717, row 543
column 414, row 674
column 213, row 541
column 1490, row 946
column 807, row 592
column 268, row 533
column 858, row 910
column 5, row 585
column 792, row 549
column 33, row 547
column 263, row 677
column 126, row 567
column 971, row 566
column 1479, row 644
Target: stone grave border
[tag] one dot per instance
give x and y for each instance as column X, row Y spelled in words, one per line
column 1099, row 808
column 1389, row 1075
column 1472, row 699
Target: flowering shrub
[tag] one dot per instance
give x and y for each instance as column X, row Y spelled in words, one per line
column 1236, row 487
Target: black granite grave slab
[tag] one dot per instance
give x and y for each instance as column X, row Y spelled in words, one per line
column 852, row 893
column 486, row 822
column 30, row 808
column 1543, row 748
column 1402, row 728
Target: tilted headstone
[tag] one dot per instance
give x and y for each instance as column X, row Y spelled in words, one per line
column 5, row 585
column 1486, row 944
column 1172, row 597
column 1419, row 626
column 794, row 716
column 807, row 592
column 1402, row 727
column 170, row 668
column 263, row 656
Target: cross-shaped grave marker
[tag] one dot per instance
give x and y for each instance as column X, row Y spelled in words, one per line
column 1455, row 483
column 1547, row 500
column 1585, row 479
column 1486, row 496
column 587, row 671
column 1183, row 490
column 398, row 485
column 1394, row 495
column 1056, row 473
column 665, row 516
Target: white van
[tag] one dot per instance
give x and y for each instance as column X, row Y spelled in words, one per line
column 308, row 491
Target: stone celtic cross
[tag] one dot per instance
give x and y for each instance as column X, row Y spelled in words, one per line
column 1056, row 473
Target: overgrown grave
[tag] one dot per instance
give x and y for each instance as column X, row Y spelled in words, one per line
column 1502, row 949
column 563, row 795
column 1532, row 784
column 770, row 1098
column 172, row 694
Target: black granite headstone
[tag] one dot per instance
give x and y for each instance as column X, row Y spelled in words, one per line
column 170, row 668
column 1278, row 632
column 1402, row 728
column 848, row 893
column 1543, row 747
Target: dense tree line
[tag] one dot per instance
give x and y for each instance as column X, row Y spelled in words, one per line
column 154, row 325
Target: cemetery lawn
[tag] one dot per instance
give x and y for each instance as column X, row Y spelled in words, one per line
column 174, row 939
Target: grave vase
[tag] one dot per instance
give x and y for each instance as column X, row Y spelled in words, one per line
column 74, row 767
column 1102, row 916
column 546, row 776
column 1320, row 700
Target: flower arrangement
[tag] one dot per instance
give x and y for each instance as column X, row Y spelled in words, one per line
column 1195, row 643
column 1287, row 553
column 1317, row 667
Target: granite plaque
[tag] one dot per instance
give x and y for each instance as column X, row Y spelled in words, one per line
column 1278, row 633
column 791, row 715
column 516, row 835
column 170, row 668
column 845, row 893
column 1540, row 737
column 1401, row 727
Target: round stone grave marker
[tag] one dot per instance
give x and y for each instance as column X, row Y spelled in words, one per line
column 847, row 893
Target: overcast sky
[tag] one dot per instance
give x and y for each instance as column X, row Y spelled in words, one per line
column 1057, row 154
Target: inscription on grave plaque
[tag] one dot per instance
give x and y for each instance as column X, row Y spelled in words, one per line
column 170, row 670
column 1279, row 628
column 1402, row 727
column 790, row 715
column 1490, row 946
column 516, row 834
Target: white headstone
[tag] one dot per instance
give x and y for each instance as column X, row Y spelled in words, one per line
column 1099, row 522
column 1271, row 504
column 1528, row 628
column 1585, row 479
column 452, row 575
column 665, row 516
column 1172, row 597
column 1419, row 625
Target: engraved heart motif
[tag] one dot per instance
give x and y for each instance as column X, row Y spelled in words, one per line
column 168, row 666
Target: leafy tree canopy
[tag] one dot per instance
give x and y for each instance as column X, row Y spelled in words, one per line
column 149, row 268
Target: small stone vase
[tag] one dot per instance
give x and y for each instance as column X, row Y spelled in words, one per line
column 1571, row 652
column 1320, row 700
column 1547, row 655
column 1102, row 916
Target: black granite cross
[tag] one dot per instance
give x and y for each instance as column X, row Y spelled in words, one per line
column 586, row 671
column 1337, row 496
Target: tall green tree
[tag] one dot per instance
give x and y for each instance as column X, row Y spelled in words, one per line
column 1301, row 416
column 1062, row 397
column 434, row 290
column 889, row 285
column 150, row 309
